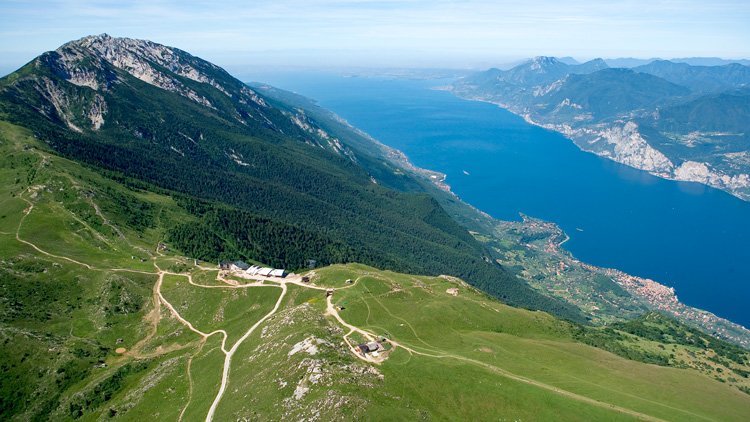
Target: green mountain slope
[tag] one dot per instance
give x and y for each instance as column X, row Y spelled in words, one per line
column 609, row 93
column 248, row 171
column 712, row 128
column 97, row 323
column 699, row 78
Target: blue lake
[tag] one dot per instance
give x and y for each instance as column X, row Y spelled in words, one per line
column 684, row 235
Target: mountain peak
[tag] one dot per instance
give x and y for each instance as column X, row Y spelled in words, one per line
column 84, row 81
column 93, row 61
column 101, row 44
column 541, row 62
column 103, row 37
column 597, row 60
column 591, row 66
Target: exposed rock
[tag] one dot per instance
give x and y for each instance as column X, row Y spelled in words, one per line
column 692, row 171
column 308, row 345
column 631, row 149
column 59, row 100
column 97, row 111
column 136, row 57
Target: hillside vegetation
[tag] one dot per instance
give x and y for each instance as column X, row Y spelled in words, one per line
column 90, row 329
column 128, row 168
column 263, row 181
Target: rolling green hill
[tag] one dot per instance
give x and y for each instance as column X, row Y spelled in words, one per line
column 90, row 329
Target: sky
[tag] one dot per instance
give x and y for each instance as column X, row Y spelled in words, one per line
column 386, row 33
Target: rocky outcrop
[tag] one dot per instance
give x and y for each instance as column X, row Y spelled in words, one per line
column 59, row 101
column 631, row 149
column 97, row 111
column 692, row 171
column 318, row 136
column 624, row 144
column 139, row 58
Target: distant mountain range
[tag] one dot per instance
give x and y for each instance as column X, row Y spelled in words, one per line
column 674, row 119
column 695, row 61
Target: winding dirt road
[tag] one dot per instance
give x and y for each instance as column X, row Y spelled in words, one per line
column 331, row 310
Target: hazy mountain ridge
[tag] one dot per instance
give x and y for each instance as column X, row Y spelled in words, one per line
column 629, row 62
column 700, row 79
column 617, row 113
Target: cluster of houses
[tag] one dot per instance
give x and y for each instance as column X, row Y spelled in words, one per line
column 253, row 269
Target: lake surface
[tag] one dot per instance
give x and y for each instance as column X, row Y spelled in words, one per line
column 691, row 237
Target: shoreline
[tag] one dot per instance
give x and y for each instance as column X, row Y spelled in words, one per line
column 567, row 131
column 654, row 295
column 639, row 288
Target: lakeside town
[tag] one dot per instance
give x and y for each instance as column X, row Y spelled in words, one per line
column 549, row 267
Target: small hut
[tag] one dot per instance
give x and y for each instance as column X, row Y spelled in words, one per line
column 370, row 347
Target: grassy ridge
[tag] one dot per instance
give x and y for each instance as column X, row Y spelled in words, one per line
column 418, row 312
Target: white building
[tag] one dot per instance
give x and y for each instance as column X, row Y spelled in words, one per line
column 278, row 273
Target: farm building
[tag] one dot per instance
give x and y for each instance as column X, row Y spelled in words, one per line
column 266, row 271
column 370, row 347
column 279, row 272
column 239, row 265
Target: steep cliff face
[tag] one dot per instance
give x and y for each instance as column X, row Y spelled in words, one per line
column 85, row 62
column 75, row 83
column 629, row 147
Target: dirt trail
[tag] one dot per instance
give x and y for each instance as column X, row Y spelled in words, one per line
column 190, row 378
column 26, row 212
column 230, row 353
column 158, row 299
column 331, row 310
